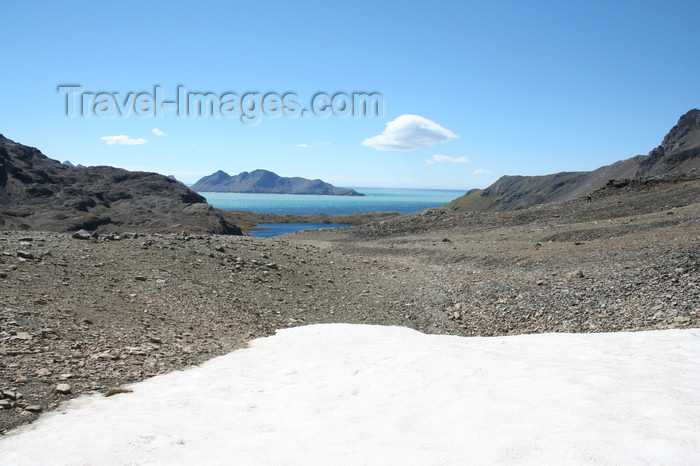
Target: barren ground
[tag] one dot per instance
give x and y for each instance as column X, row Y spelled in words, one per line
column 100, row 313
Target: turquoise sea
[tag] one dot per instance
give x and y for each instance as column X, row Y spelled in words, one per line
column 405, row 201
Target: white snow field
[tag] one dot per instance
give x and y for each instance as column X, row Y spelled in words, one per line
column 356, row 394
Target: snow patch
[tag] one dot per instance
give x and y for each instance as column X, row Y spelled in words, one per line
column 349, row 394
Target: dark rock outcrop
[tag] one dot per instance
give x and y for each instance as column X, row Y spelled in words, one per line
column 678, row 153
column 39, row 193
column 264, row 181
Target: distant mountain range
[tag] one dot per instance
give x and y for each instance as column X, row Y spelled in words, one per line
column 679, row 152
column 68, row 163
column 264, row 181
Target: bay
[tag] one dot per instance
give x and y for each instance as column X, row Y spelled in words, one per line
column 405, row 201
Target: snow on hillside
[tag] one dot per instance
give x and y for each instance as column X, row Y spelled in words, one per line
column 351, row 394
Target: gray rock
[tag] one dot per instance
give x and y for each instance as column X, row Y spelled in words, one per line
column 22, row 336
column 25, row 255
column 11, row 395
column 82, row 234
column 63, row 388
column 116, row 391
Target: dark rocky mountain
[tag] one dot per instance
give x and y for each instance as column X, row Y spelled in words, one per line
column 679, row 152
column 264, row 181
column 39, row 193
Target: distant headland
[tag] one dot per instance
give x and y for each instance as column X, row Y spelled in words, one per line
column 264, row 181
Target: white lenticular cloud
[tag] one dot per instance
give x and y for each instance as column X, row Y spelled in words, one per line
column 446, row 158
column 123, row 140
column 409, row 132
column 158, row 132
column 303, row 146
column 480, row 171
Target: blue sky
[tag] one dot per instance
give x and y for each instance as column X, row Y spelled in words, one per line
column 471, row 90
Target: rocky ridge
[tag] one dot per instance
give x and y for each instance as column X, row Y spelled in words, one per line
column 626, row 260
column 678, row 153
column 38, row 193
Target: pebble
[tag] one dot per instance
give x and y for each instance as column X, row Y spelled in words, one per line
column 116, row 391
column 11, row 395
column 82, row 234
column 25, row 255
column 63, row 388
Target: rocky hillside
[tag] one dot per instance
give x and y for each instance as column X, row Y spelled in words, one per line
column 38, row 193
column 263, row 181
column 627, row 260
column 678, row 153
